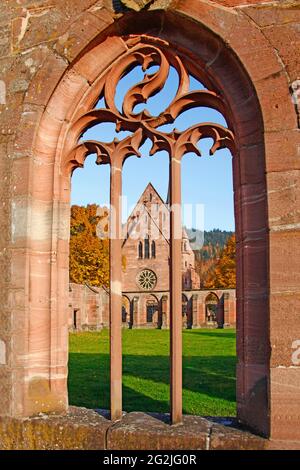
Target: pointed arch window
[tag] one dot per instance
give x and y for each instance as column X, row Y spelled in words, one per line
column 153, row 249
column 140, row 250
column 147, row 248
column 140, row 126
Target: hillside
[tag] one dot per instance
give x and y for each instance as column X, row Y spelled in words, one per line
column 209, row 248
column 213, row 237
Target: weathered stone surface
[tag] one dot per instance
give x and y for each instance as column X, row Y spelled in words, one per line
column 278, row 109
column 141, row 431
column 78, row 429
column 283, row 12
column 285, row 275
column 228, row 438
column 152, row 432
column 83, row 31
column 83, row 429
column 284, row 142
column 53, row 67
column 44, row 22
column 284, row 199
column 284, row 339
column 280, row 24
column 285, row 403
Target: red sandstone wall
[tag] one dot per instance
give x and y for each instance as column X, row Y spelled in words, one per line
column 91, row 307
column 38, row 41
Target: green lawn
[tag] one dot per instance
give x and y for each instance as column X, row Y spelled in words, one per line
column 208, row 371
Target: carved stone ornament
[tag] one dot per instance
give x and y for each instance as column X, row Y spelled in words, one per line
column 143, row 125
column 136, row 5
column 146, row 279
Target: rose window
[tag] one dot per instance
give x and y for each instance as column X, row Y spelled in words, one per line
column 147, row 279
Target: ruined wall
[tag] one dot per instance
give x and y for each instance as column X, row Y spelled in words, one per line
column 89, row 308
column 39, row 40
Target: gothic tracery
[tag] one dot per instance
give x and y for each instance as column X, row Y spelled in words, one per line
column 142, row 125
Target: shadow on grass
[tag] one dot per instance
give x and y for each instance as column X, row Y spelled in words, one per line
column 213, row 333
column 210, row 378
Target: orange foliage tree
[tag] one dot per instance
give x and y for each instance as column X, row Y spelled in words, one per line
column 205, row 262
column 223, row 274
column 89, row 254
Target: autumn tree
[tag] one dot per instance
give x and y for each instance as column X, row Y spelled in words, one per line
column 207, row 256
column 205, row 261
column 223, row 274
column 89, row 254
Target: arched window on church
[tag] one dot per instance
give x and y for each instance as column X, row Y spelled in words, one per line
column 160, row 223
column 153, row 249
column 140, row 250
column 147, row 248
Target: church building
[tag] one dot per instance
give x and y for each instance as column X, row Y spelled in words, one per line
column 145, row 279
column 146, row 248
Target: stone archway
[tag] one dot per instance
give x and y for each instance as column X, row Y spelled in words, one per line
column 52, row 132
column 73, row 155
column 185, row 303
column 76, row 319
column 152, row 310
column 187, row 312
column 126, row 310
column 40, row 256
column 211, row 308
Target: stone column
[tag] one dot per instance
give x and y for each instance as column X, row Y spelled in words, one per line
column 135, row 308
column 194, row 308
column 202, row 312
column 176, row 290
column 232, row 311
column 226, row 308
column 164, row 311
column 115, row 253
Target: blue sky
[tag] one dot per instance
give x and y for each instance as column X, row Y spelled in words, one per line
column 206, row 180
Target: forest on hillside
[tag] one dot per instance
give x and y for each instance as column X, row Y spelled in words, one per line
column 215, row 257
column 213, row 238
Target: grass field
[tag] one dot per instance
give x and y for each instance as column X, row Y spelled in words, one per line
column 208, row 371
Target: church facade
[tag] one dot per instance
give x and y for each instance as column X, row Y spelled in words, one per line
column 145, row 279
column 146, row 248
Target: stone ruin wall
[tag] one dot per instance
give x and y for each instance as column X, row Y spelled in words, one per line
column 39, row 42
column 90, row 306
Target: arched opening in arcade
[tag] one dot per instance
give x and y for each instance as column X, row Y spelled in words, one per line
column 187, row 314
column 152, row 311
column 126, row 311
column 211, row 309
